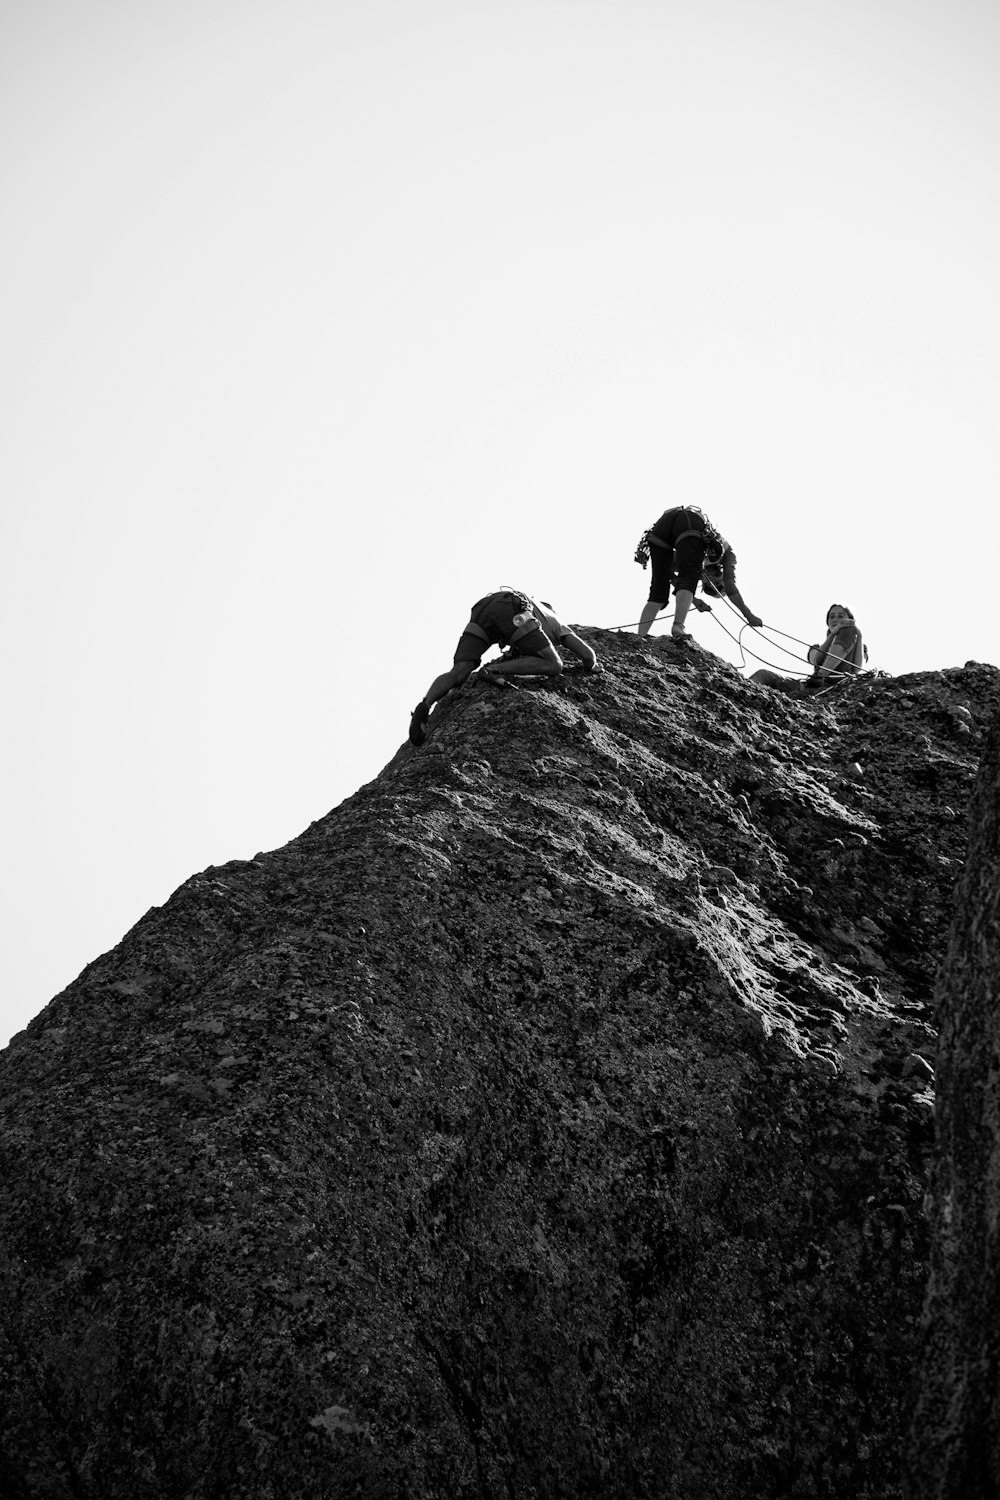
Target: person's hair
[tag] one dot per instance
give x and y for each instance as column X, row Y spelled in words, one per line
column 849, row 613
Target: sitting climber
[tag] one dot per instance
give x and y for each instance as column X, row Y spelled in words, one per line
column 684, row 549
column 841, row 655
column 511, row 619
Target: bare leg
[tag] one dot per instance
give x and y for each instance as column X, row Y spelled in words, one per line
column 650, row 610
column 441, row 685
column 522, row 666
column 448, row 680
column 682, row 603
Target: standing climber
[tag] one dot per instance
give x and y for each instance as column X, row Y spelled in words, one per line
column 684, row 548
column 506, row 618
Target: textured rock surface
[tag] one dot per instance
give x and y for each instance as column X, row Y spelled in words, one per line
column 956, row 1434
column 550, row 1119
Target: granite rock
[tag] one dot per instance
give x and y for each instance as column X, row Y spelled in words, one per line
column 552, row 1118
column 954, row 1452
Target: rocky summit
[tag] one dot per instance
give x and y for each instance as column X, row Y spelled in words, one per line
column 553, row 1118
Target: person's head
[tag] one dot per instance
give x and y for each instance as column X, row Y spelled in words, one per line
column 838, row 615
column 712, row 576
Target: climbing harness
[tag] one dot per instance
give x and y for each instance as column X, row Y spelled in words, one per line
column 524, row 621
column 716, row 545
column 524, row 624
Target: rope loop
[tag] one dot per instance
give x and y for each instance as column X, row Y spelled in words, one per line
column 745, row 651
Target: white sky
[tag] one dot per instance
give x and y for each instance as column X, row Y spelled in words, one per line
column 321, row 318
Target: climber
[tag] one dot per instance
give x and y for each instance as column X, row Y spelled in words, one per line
column 841, row 655
column 685, row 549
column 506, row 618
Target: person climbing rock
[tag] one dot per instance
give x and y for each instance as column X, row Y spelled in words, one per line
column 531, row 632
column 841, row 655
column 685, row 549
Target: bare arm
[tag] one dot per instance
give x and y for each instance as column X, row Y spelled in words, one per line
column 841, row 654
column 572, row 642
column 729, row 584
column 832, row 664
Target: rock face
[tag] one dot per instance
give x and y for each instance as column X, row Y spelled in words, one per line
column 553, row 1118
column 956, row 1434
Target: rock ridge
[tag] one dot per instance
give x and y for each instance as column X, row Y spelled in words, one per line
column 552, row 1118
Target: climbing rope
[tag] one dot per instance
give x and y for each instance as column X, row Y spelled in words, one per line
column 633, row 623
column 745, row 650
column 831, row 672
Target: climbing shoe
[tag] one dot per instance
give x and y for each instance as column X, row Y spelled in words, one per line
column 417, row 722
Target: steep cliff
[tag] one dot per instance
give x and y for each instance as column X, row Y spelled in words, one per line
column 552, row 1118
column 955, row 1452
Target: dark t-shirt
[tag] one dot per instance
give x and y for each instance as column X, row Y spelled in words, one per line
column 846, row 641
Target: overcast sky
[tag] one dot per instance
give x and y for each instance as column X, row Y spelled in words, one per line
column 319, row 319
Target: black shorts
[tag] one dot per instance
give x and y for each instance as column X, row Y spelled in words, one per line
column 495, row 617
column 684, row 559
